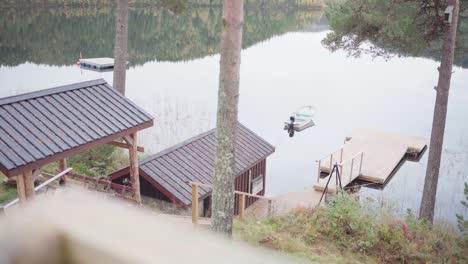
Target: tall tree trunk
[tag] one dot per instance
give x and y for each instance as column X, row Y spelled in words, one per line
column 440, row 114
column 120, row 48
column 226, row 124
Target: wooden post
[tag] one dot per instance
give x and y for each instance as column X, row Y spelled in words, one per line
column 351, row 172
column 28, row 185
column 20, row 189
column 360, row 164
column 331, row 162
column 63, row 166
column 134, row 171
column 341, row 155
column 194, row 203
column 270, row 209
column 241, row 205
column 318, row 175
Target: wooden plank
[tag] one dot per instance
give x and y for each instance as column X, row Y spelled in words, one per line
column 124, row 145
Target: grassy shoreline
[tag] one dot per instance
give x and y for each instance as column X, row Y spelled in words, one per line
column 345, row 231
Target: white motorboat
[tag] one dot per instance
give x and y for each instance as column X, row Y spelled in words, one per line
column 301, row 119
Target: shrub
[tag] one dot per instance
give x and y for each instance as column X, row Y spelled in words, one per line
column 355, row 233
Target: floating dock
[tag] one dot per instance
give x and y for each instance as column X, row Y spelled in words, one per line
column 97, row 63
column 370, row 156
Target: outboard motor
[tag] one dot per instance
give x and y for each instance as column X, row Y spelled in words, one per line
column 291, row 126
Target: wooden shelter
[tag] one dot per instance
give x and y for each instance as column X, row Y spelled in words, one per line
column 166, row 175
column 50, row 125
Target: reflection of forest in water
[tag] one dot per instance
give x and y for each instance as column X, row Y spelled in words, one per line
column 57, row 35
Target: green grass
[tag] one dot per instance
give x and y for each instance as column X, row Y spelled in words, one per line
column 6, row 192
column 344, row 231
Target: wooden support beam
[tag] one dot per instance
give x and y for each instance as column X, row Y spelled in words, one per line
column 62, row 167
column 20, row 189
column 36, row 173
column 194, row 203
column 241, row 205
column 134, row 171
column 63, row 164
column 28, row 185
column 125, row 145
column 128, row 139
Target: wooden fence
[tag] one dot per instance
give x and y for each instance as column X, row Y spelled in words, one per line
column 242, row 196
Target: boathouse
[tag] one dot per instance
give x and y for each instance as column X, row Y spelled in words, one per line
column 50, row 125
column 166, row 175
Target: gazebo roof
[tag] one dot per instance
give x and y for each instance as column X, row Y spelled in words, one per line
column 41, row 127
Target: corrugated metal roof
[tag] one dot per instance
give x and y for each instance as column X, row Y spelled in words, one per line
column 41, row 127
column 193, row 160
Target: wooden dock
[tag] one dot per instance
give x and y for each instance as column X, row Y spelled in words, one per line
column 97, row 63
column 369, row 155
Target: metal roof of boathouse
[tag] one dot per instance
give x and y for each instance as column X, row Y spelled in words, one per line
column 41, row 127
column 193, row 160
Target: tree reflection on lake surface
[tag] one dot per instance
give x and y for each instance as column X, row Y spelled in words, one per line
column 155, row 32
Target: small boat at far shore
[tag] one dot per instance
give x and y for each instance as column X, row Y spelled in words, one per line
column 300, row 120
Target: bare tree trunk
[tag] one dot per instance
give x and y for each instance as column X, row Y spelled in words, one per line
column 120, row 48
column 228, row 98
column 440, row 114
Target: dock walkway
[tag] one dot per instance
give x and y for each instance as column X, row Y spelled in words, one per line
column 371, row 156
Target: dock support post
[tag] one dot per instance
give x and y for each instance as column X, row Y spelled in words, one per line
column 241, row 205
column 194, row 203
column 319, row 171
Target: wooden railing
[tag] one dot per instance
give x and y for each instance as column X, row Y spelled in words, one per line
column 242, row 196
column 361, row 156
column 330, row 165
column 40, row 187
column 342, row 162
column 104, row 185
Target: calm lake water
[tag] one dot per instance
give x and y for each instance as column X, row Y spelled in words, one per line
column 174, row 76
